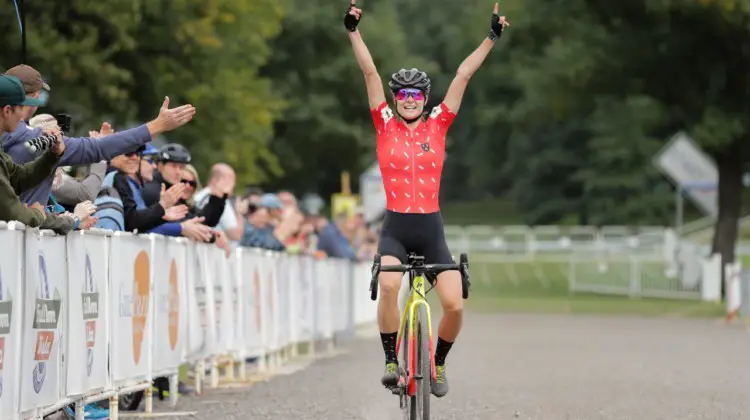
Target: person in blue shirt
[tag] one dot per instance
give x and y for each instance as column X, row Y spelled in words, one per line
column 83, row 150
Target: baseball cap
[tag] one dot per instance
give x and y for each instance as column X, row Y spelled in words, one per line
column 150, row 150
column 12, row 93
column 30, row 77
column 270, row 201
column 43, row 121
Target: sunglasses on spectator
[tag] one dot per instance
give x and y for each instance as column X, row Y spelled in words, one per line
column 403, row 94
column 131, row 154
column 192, row 183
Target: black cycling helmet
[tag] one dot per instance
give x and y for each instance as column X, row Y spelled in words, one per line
column 174, row 152
column 410, row 79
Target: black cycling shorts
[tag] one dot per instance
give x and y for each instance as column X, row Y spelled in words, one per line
column 422, row 234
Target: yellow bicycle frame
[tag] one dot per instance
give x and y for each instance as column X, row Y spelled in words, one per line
column 416, row 298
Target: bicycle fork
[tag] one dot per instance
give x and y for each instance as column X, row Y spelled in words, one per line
column 410, row 314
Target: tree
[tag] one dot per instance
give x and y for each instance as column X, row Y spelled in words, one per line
column 118, row 60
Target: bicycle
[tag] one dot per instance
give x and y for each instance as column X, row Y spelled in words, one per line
column 416, row 330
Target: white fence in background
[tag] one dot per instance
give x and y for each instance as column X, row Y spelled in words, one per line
column 644, row 261
column 532, row 240
column 97, row 314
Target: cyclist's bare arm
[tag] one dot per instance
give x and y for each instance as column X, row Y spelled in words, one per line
column 375, row 91
column 467, row 69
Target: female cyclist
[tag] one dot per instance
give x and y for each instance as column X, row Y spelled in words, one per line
column 410, row 153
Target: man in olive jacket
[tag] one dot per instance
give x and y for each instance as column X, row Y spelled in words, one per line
column 16, row 178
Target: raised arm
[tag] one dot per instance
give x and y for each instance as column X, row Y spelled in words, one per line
column 472, row 63
column 373, row 82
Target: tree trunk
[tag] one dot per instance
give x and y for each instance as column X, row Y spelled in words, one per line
column 729, row 162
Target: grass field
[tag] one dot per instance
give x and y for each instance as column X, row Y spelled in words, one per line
column 541, row 286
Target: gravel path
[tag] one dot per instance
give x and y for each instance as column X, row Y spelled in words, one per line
column 526, row 367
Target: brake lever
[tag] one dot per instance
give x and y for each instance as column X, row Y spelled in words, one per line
column 465, row 273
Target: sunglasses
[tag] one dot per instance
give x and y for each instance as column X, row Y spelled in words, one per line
column 131, row 154
column 403, row 94
column 189, row 182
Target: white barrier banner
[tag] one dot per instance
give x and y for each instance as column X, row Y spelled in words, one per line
column 270, row 266
column 222, row 301
column 302, row 285
column 11, row 298
column 323, row 309
column 234, row 265
column 45, row 284
column 130, row 277
column 87, row 332
column 338, row 290
column 282, row 294
column 208, row 307
column 170, row 303
column 196, row 296
column 253, row 303
column 364, row 308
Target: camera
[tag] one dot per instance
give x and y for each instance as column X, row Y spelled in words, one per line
column 45, row 141
column 64, row 121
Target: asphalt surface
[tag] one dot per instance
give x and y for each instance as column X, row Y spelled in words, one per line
column 525, row 367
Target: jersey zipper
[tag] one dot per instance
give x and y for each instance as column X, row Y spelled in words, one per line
column 413, row 171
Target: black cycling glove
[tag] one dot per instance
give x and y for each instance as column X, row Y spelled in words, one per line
column 496, row 28
column 350, row 21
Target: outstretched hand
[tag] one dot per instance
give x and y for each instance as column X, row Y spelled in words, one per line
column 352, row 17
column 498, row 23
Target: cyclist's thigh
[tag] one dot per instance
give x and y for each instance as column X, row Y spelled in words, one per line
column 448, row 284
column 392, row 252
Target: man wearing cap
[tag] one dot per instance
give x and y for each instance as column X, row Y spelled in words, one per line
column 13, row 177
column 84, row 150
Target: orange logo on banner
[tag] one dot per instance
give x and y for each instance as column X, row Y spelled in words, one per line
column 174, row 305
column 90, row 334
column 43, row 348
column 141, row 272
column 257, row 299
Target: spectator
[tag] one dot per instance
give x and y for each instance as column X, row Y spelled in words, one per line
column 80, row 151
column 332, row 242
column 288, row 200
column 253, row 194
column 192, row 184
column 138, row 216
column 262, row 233
column 67, row 190
column 249, row 200
column 148, row 165
column 15, row 178
column 172, row 160
column 221, row 183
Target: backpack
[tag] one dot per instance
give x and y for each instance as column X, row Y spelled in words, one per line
column 109, row 210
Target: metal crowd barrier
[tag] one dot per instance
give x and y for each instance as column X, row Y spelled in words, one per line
column 97, row 314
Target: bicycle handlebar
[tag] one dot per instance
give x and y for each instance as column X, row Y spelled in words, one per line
column 420, row 268
column 425, row 268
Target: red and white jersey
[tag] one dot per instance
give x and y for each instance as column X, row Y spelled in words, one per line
column 411, row 162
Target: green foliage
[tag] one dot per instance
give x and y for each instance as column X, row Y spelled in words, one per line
column 563, row 118
column 116, row 60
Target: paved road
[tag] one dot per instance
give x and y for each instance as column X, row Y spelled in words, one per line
column 527, row 367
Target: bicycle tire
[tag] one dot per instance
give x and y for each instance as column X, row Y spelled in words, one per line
column 424, row 363
column 409, row 409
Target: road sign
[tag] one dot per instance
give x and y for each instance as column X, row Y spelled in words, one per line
column 691, row 170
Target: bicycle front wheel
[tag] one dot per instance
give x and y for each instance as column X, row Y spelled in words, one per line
column 424, row 365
